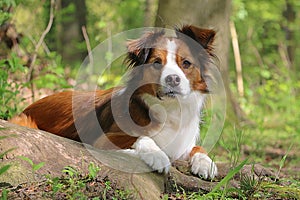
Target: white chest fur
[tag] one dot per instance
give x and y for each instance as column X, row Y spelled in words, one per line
column 179, row 123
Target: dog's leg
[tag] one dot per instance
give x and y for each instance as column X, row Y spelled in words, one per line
column 201, row 164
column 146, row 149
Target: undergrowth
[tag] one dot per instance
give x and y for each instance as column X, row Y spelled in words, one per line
column 72, row 184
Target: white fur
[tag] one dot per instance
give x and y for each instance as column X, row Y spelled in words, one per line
column 151, row 154
column 171, row 67
column 203, row 166
column 180, row 128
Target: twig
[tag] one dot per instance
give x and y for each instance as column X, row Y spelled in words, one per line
column 88, row 45
column 283, row 52
column 38, row 45
column 237, row 58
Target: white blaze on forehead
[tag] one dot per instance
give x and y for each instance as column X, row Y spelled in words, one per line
column 171, row 51
column 172, row 67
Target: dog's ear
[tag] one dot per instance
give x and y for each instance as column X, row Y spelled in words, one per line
column 205, row 37
column 139, row 49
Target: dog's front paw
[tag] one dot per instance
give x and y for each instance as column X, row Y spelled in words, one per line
column 203, row 166
column 152, row 155
column 158, row 161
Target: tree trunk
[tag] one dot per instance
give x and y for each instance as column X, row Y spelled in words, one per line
column 212, row 14
column 290, row 15
column 66, row 35
column 150, row 10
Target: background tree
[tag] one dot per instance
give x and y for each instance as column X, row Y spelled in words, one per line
column 290, row 16
column 66, row 35
column 150, row 12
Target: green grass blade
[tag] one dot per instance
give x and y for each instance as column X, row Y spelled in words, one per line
column 3, row 136
column 38, row 166
column 5, row 152
column 6, row 136
column 229, row 176
column 4, row 169
column 27, row 160
column 282, row 161
column 4, row 195
column 70, row 171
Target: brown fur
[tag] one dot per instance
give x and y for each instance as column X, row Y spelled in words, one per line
column 24, row 120
column 197, row 149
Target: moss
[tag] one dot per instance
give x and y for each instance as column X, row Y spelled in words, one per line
column 16, row 174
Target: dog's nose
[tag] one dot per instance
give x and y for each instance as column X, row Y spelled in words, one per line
column 172, row 80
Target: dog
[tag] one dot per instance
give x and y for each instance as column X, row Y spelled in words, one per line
column 155, row 115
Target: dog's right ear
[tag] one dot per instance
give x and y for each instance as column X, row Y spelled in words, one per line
column 139, row 49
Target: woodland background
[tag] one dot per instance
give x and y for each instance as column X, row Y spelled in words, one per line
column 43, row 43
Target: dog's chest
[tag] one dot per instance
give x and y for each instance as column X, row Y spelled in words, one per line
column 179, row 124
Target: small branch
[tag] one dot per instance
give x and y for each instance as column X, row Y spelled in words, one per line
column 38, row 45
column 88, row 45
column 237, row 58
column 283, row 52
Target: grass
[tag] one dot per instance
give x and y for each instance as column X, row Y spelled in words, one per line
column 72, row 184
column 275, row 147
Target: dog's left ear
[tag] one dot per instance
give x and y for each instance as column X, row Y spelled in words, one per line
column 139, row 49
column 205, row 37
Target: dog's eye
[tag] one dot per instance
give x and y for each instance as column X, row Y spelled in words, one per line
column 157, row 63
column 186, row 64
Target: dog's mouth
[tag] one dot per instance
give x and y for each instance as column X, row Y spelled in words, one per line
column 168, row 93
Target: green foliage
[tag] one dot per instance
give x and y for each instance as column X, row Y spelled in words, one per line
column 270, row 75
column 249, row 185
column 282, row 161
column 52, row 75
column 233, row 145
column 71, row 185
column 4, row 194
column 74, row 183
column 11, row 74
column 106, row 188
column 48, row 70
column 93, row 170
column 228, row 177
column 5, row 13
column 112, row 17
column 103, row 20
column 269, row 70
column 34, row 166
column 4, row 168
column 9, row 101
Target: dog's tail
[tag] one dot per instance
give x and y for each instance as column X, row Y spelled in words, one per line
column 24, row 120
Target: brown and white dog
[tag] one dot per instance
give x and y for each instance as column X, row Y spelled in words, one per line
column 155, row 116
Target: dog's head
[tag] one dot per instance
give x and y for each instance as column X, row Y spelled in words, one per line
column 168, row 66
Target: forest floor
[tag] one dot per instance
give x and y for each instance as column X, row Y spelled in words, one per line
column 265, row 186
